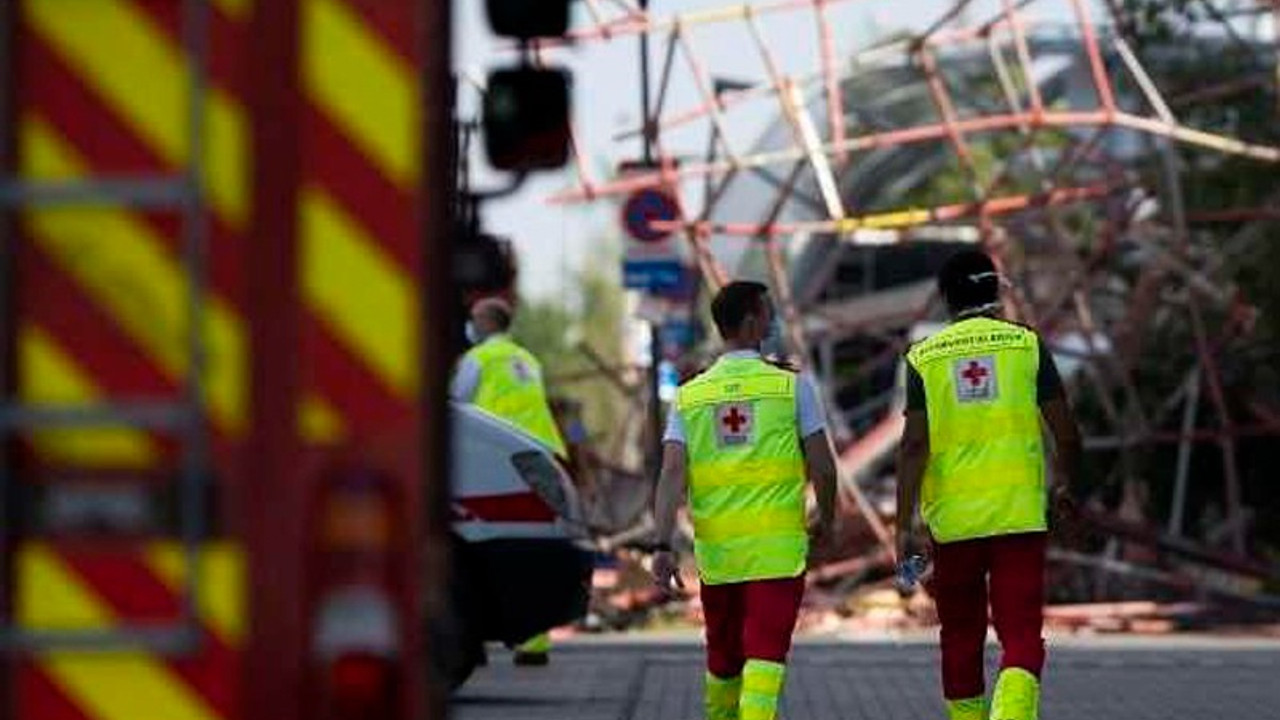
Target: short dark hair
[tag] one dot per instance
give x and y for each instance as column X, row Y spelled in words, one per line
column 968, row 280
column 734, row 303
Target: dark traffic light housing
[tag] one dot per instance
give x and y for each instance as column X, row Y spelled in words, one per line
column 526, row 108
column 528, row 19
column 526, row 119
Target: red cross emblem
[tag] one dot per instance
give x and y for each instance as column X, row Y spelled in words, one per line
column 975, row 379
column 975, row 373
column 734, row 421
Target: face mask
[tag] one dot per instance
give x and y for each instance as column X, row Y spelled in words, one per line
column 473, row 335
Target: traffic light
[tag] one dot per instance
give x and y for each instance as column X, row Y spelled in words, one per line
column 528, row 19
column 526, row 119
column 527, row 108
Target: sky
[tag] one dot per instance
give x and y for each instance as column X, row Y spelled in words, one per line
column 554, row 241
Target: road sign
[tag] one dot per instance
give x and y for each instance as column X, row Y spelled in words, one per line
column 652, row 275
column 644, row 207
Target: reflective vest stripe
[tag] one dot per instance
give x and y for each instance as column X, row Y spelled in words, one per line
column 737, row 473
column 729, row 525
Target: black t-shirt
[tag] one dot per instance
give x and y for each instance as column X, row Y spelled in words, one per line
column 1048, row 382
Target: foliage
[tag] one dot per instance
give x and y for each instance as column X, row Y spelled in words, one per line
column 552, row 330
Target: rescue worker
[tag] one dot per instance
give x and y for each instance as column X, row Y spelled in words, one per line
column 741, row 440
column 973, row 454
column 503, row 378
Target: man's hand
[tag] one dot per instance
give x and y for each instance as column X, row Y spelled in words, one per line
column 1066, row 514
column 909, row 542
column 666, row 573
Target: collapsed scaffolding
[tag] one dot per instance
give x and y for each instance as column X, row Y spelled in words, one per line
column 1049, row 182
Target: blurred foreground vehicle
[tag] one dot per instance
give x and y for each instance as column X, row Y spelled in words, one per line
column 522, row 560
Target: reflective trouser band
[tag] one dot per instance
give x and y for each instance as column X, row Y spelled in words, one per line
column 1017, row 696
column 722, row 697
column 967, row 709
column 761, row 689
column 536, row 644
column 748, row 522
column 733, row 473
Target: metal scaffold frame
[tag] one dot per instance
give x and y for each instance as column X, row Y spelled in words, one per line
column 185, row 417
column 1084, row 175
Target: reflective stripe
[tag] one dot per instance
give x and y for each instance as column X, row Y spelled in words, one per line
column 761, row 689
column 733, row 473
column 721, row 699
column 991, row 426
column 993, row 475
column 538, row 644
column 362, row 86
column 1017, row 696
column 967, row 709
column 123, row 685
column 726, row 526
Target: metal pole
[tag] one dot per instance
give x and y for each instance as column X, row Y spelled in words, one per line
column 427, row 557
column 1190, row 410
column 655, row 336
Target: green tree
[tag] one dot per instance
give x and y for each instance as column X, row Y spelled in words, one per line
column 594, row 316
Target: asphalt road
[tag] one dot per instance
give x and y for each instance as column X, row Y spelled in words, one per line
column 644, row 679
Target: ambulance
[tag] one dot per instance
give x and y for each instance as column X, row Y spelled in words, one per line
column 521, row 550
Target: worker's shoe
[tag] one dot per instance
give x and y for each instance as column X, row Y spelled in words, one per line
column 761, row 690
column 534, row 652
column 531, row 659
column 1017, row 696
column 721, row 700
column 968, row 709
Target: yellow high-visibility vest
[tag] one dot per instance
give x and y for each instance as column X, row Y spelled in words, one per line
column 511, row 388
column 746, row 472
column 985, row 474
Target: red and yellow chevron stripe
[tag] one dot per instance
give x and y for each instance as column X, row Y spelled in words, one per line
column 102, row 92
column 85, row 588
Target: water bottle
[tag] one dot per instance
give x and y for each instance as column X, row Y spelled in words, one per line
column 909, row 572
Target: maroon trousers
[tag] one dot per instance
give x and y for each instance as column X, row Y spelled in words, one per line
column 1006, row 573
column 749, row 620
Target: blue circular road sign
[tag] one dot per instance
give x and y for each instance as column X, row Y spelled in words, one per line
column 647, row 206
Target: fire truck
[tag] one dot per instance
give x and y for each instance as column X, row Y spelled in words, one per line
column 226, row 322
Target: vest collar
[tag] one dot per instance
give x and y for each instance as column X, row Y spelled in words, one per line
column 742, row 355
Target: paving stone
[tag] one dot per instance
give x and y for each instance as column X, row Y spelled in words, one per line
column 621, row 681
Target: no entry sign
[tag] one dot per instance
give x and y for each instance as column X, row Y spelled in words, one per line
column 643, row 208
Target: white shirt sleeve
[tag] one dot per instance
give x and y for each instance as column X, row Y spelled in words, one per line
column 466, row 380
column 810, row 415
column 675, row 428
